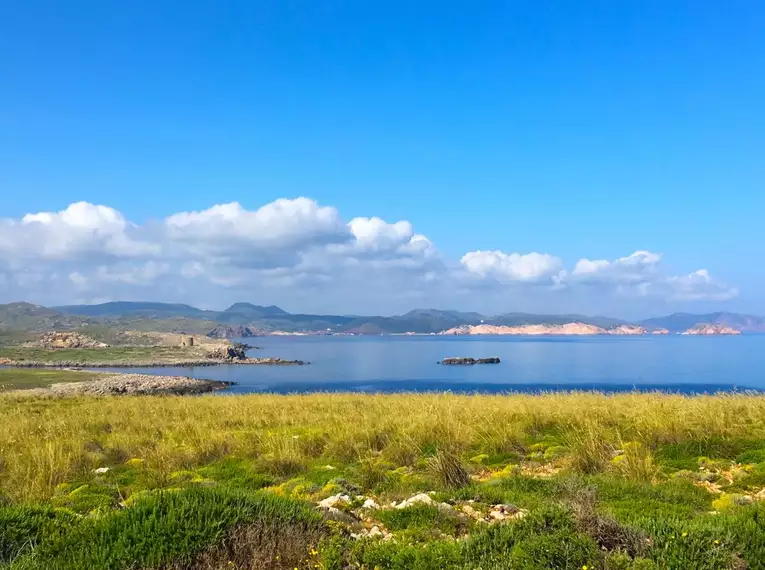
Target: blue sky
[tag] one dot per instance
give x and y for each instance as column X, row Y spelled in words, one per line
column 587, row 130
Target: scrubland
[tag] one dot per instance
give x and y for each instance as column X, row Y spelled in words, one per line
column 584, row 480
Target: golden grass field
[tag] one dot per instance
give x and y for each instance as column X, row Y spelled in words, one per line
column 46, row 442
column 638, row 481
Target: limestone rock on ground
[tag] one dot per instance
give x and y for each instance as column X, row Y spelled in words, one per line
column 65, row 340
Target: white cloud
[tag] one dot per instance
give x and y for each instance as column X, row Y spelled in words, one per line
column 637, row 268
column 82, row 230
column 296, row 248
column 698, row 286
column 281, row 226
column 640, row 275
column 512, row 267
column 376, row 234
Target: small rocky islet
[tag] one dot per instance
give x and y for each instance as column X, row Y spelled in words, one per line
column 467, row 360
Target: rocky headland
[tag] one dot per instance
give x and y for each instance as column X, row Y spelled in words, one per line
column 583, row 329
column 235, row 331
column 147, row 363
column 709, row 330
column 566, row 329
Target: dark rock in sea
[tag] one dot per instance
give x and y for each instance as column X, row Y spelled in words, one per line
column 236, row 351
column 456, row 360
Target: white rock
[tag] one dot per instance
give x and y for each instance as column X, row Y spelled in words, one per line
column 370, row 504
column 334, row 500
column 101, row 470
column 375, row 531
column 420, row 499
column 497, row 515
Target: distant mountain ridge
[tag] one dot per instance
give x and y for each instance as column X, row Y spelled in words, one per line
column 132, row 309
column 678, row 322
column 272, row 318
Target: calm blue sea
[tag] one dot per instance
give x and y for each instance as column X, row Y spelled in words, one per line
column 394, row 364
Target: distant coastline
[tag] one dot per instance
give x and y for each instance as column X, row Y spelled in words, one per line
column 583, row 329
column 22, row 321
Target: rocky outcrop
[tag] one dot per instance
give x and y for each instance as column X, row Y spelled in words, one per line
column 708, row 330
column 234, row 331
column 457, row 360
column 660, row 331
column 362, row 522
column 270, row 360
column 236, row 351
column 627, row 330
column 565, row 329
column 53, row 340
column 129, row 384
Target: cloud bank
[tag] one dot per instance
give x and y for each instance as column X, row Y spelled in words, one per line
column 297, row 249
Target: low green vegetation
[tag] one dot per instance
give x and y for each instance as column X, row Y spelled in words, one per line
column 429, row 481
column 113, row 355
column 12, row 337
column 24, row 378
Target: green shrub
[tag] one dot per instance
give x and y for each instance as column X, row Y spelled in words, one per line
column 23, row 528
column 751, row 456
column 87, row 499
column 423, row 520
column 167, row 526
column 381, row 555
column 236, row 473
column 558, row 550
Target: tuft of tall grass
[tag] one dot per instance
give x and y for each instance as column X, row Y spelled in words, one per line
column 449, row 469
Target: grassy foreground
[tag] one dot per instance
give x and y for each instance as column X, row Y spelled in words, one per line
column 609, row 482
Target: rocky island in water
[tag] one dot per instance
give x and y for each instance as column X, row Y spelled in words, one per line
column 706, row 330
column 582, row 329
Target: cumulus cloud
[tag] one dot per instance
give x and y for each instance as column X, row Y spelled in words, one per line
column 82, row 230
column 637, row 268
column 293, row 248
column 512, row 267
column 699, row 286
column 263, row 237
column 283, row 224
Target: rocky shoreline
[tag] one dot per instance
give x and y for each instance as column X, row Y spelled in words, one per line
column 119, row 384
column 151, row 363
